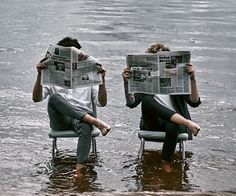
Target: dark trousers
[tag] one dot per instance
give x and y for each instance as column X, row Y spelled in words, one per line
column 64, row 116
column 156, row 117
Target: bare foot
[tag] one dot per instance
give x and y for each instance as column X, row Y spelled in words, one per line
column 166, row 166
column 79, row 172
column 104, row 128
column 78, row 175
column 193, row 127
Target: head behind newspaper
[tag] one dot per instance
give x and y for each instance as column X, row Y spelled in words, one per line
column 157, row 47
column 69, row 42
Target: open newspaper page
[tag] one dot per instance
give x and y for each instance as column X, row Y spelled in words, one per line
column 65, row 69
column 84, row 73
column 58, row 71
column 173, row 76
column 160, row 73
column 145, row 73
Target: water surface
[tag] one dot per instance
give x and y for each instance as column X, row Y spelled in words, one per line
column 108, row 30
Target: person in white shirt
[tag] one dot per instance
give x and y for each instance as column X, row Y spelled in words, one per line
column 73, row 108
column 168, row 113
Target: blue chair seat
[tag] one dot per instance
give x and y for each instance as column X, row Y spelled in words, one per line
column 156, row 135
column 70, row 133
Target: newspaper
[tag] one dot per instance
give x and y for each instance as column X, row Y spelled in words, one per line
column 160, row 73
column 65, row 69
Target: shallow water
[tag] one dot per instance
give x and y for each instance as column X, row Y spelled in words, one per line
column 108, row 30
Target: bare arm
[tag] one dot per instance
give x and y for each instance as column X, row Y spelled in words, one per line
column 130, row 99
column 194, row 90
column 37, row 90
column 102, row 92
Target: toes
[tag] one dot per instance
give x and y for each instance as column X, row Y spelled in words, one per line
column 195, row 132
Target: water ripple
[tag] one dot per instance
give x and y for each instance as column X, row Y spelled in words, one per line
column 11, row 50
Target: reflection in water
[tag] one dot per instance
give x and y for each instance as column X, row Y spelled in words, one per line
column 151, row 177
column 61, row 176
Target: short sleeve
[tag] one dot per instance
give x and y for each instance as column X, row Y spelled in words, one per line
column 94, row 90
column 45, row 92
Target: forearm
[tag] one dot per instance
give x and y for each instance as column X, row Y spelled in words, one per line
column 102, row 93
column 37, row 91
column 194, row 91
column 130, row 99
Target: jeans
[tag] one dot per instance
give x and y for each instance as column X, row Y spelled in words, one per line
column 156, row 117
column 64, row 116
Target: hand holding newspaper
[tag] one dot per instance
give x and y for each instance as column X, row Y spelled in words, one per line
column 69, row 67
column 160, row 73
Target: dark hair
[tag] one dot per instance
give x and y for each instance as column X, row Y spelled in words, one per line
column 69, row 42
column 157, row 47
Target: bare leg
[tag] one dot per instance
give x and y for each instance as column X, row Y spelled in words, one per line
column 104, row 128
column 177, row 118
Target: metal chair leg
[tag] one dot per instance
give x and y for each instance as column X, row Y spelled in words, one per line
column 142, row 145
column 183, row 150
column 56, row 145
column 53, row 148
column 94, row 147
column 180, row 146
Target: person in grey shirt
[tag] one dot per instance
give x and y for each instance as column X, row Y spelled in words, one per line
column 73, row 108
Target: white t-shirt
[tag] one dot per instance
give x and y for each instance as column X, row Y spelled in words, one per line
column 164, row 100
column 81, row 97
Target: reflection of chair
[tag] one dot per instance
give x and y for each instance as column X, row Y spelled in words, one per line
column 155, row 136
column 54, row 134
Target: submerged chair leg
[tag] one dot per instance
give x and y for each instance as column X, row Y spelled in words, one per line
column 182, row 148
column 141, row 148
column 94, row 147
column 53, row 148
column 56, row 145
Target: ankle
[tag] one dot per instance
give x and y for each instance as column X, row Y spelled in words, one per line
column 166, row 166
column 79, row 166
column 79, row 172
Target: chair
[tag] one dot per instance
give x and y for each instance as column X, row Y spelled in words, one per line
column 55, row 134
column 155, row 136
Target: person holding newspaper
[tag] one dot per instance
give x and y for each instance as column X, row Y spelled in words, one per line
column 72, row 108
column 167, row 113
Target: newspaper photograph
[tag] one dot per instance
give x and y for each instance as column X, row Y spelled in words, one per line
column 160, row 73
column 64, row 68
